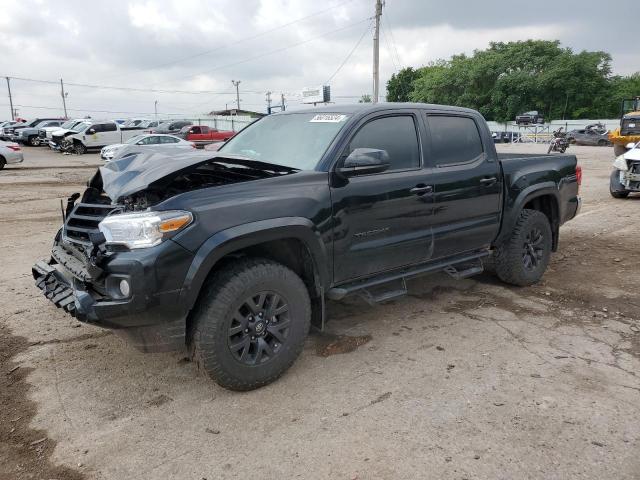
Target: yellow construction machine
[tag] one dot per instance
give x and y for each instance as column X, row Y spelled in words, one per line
column 629, row 131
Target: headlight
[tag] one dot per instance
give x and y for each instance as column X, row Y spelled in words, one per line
column 143, row 230
column 620, row 163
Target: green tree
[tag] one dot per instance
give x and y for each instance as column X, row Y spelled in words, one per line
column 366, row 98
column 509, row 78
column 400, row 85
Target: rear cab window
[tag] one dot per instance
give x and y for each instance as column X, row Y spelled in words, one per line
column 455, row 140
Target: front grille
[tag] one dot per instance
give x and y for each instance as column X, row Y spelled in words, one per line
column 84, row 219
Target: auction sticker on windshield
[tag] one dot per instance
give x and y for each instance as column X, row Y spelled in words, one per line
column 328, row 118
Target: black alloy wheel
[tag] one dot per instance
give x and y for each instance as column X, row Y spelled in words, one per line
column 259, row 328
column 532, row 249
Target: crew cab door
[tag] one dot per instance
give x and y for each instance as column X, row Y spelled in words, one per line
column 466, row 178
column 101, row 134
column 382, row 220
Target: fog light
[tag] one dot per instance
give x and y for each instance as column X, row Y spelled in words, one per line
column 125, row 288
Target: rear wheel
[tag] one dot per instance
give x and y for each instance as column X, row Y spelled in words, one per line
column 251, row 323
column 523, row 258
column 3, row 162
column 602, row 143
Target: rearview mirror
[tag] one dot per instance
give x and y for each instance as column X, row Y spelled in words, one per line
column 630, row 145
column 365, row 161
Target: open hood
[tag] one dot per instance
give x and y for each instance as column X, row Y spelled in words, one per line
column 137, row 171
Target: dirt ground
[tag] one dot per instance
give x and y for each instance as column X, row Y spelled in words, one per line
column 459, row 380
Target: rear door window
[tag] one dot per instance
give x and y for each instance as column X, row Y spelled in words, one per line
column 454, row 140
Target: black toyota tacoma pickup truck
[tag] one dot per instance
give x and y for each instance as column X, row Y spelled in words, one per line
column 233, row 254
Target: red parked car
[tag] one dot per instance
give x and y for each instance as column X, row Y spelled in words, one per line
column 202, row 135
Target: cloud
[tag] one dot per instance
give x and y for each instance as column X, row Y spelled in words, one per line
column 202, row 45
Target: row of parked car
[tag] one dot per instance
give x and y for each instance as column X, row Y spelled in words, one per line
column 85, row 134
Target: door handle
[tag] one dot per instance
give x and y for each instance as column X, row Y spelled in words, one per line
column 487, row 182
column 421, row 189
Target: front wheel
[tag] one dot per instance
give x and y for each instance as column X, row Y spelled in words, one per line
column 550, row 148
column 523, row 258
column 3, row 162
column 79, row 148
column 619, row 149
column 616, row 189
column 250, row 324
column 34, row 141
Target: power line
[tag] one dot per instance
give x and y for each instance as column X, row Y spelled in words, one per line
column 196, row 92
column 129, row 89
column 393, row 40
column 270, row 52
column 350, row 53
column 242, row 40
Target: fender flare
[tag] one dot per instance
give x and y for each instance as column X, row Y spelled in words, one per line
column 525, row 196
column 247, row 235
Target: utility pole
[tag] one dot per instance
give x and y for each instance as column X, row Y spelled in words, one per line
column 13, row 116
column 64, row 98
column 237, row 85
column 155, row 108
column 376, row 51
column 282, row 106
column 269, row 103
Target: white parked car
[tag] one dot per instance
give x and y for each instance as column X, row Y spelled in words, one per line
column 10, row 152
column 155, row 140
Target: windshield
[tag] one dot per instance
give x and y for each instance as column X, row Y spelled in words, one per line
column 295, row 140
column 68, row 124
column 133, row 140
column 81, row 127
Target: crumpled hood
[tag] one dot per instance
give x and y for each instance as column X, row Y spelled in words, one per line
column 136, row 172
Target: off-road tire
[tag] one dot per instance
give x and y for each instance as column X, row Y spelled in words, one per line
column 616, row 189
column 3, row 162
column 222, row 294
column 510, row 257
column 619, row 149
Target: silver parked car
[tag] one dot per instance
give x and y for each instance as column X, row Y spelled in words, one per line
column 10, row 152
column 158, row 141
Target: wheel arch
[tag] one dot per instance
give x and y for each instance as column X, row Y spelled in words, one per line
column 291, row 241
column 536, row 197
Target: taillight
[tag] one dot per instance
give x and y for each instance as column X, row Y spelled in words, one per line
column 15, row 148
column 579, row 176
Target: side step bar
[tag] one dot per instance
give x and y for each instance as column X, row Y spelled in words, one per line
column 447, row 265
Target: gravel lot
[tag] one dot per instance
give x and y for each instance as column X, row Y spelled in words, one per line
column 459, row 380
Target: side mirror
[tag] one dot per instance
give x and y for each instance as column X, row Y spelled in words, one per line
column 364, row 161
column 630, row 145
column 91, row 131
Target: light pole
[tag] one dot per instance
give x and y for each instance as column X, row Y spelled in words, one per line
column 64, row 96
column 155, row 109
column 237, row 85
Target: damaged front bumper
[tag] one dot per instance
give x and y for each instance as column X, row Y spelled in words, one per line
column 150, row 316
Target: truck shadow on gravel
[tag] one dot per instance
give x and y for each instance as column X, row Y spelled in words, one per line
column 24, row 452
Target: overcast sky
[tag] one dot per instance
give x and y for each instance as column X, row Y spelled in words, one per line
column 276, row 45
